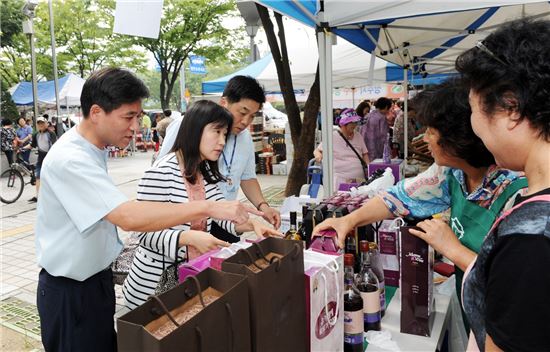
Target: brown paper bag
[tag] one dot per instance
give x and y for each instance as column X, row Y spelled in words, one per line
column 277, row 293
column 219, row 323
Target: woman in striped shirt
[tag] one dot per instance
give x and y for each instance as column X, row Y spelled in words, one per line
column 190, row 172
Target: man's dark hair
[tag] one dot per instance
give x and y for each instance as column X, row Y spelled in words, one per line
column 200, row 114
column 167, row 112
column 516, row 77
column 445, row 108
column 243, row 87
column 46, row 116
column 383, row 103
column 361, row 107
column 6, row 122
column 110, row 88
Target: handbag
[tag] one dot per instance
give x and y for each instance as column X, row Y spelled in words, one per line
column 121, row 265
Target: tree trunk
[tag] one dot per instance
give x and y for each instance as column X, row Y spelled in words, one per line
column 164, row 99
column 303, row 151
column 302, row 132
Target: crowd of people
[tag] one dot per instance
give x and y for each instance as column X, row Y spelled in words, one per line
column 488, row 131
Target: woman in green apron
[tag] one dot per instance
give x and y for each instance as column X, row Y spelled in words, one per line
column 463, row 178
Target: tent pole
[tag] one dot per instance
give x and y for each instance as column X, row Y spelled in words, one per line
column 325, row 81
column 406, row 113
column 59, row 128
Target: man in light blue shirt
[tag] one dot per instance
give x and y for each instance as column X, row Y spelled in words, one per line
column 80, row 208
column 243, row 97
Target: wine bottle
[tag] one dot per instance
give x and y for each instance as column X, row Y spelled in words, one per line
column 367, row 284
column 292, row 233
column 353, row 309
column 376, row 265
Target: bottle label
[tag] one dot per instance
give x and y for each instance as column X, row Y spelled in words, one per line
column 371, row 302
column 354, row 339
column 372, row 317
column 382, row 295
column 353, row 322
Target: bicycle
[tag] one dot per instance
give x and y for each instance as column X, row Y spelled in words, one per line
column 12, row 181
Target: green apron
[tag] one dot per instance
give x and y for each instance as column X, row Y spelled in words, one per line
column 471, row 222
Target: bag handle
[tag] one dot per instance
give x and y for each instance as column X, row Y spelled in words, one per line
column 187, row 292
column 332, row 321
column 198, row 332
column 252, row 261
column 164, row 309
column 232, row 330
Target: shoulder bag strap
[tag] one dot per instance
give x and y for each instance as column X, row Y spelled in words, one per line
column 352, row 148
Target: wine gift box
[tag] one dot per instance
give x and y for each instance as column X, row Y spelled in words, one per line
column 388, row 244
column 417, row 299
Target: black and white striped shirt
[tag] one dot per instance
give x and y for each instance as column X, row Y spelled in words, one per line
column 159, row 249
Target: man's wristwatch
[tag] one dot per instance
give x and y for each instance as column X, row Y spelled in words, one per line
column 260, row 205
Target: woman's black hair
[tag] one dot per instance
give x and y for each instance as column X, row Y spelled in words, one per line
column 6, row 122
column 200, row 114
column 361, row 107
column 445, row 108
column 383, row 103
column 510, row 70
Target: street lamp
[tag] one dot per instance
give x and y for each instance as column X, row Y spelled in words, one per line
column 28, row 11
column 250, row 14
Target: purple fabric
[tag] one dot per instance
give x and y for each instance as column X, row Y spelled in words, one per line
column 374, row 134
column 348, row 116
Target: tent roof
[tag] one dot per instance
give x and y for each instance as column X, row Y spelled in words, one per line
column 70, row 88
column 350, row 69
column 427, row 35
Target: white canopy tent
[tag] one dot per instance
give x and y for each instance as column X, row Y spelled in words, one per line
column 421, row 36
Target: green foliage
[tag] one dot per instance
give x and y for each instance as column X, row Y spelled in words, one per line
column 7, row 106
column 11, row 20
column 191, row 27
column 193, row 82
column 84, row 41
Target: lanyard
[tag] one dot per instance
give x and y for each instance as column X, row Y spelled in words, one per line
column 232, row 155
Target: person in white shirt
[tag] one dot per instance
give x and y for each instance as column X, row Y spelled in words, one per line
column 187, row 174
column 79, row 209
column 243, row 97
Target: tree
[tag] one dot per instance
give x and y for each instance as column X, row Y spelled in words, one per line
column 84, row 37
column 84, row 41
column 11, row 20
column 302, row 132
column 193, row 82
column 189, row 27
column 8, row 109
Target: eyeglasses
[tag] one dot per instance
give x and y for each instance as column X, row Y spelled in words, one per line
column 486, row 50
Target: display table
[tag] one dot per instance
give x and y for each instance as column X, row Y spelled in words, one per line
column 408, row 342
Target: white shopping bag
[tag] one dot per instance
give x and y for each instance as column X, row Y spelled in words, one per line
column 324, row 274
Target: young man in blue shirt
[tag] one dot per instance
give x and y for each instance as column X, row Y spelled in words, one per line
column 80, row 208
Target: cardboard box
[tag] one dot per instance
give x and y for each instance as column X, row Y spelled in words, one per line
column 396, row 165
column 417, row 299
column 388, row 244
column 279, row 169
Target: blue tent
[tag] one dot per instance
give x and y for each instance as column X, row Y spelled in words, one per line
column 70, row 88
column 253, row 70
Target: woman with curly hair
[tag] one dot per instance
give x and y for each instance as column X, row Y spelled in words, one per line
column 507, row 289
column 463, row 178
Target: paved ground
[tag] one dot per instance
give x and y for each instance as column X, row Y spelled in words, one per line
column 18, row 268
